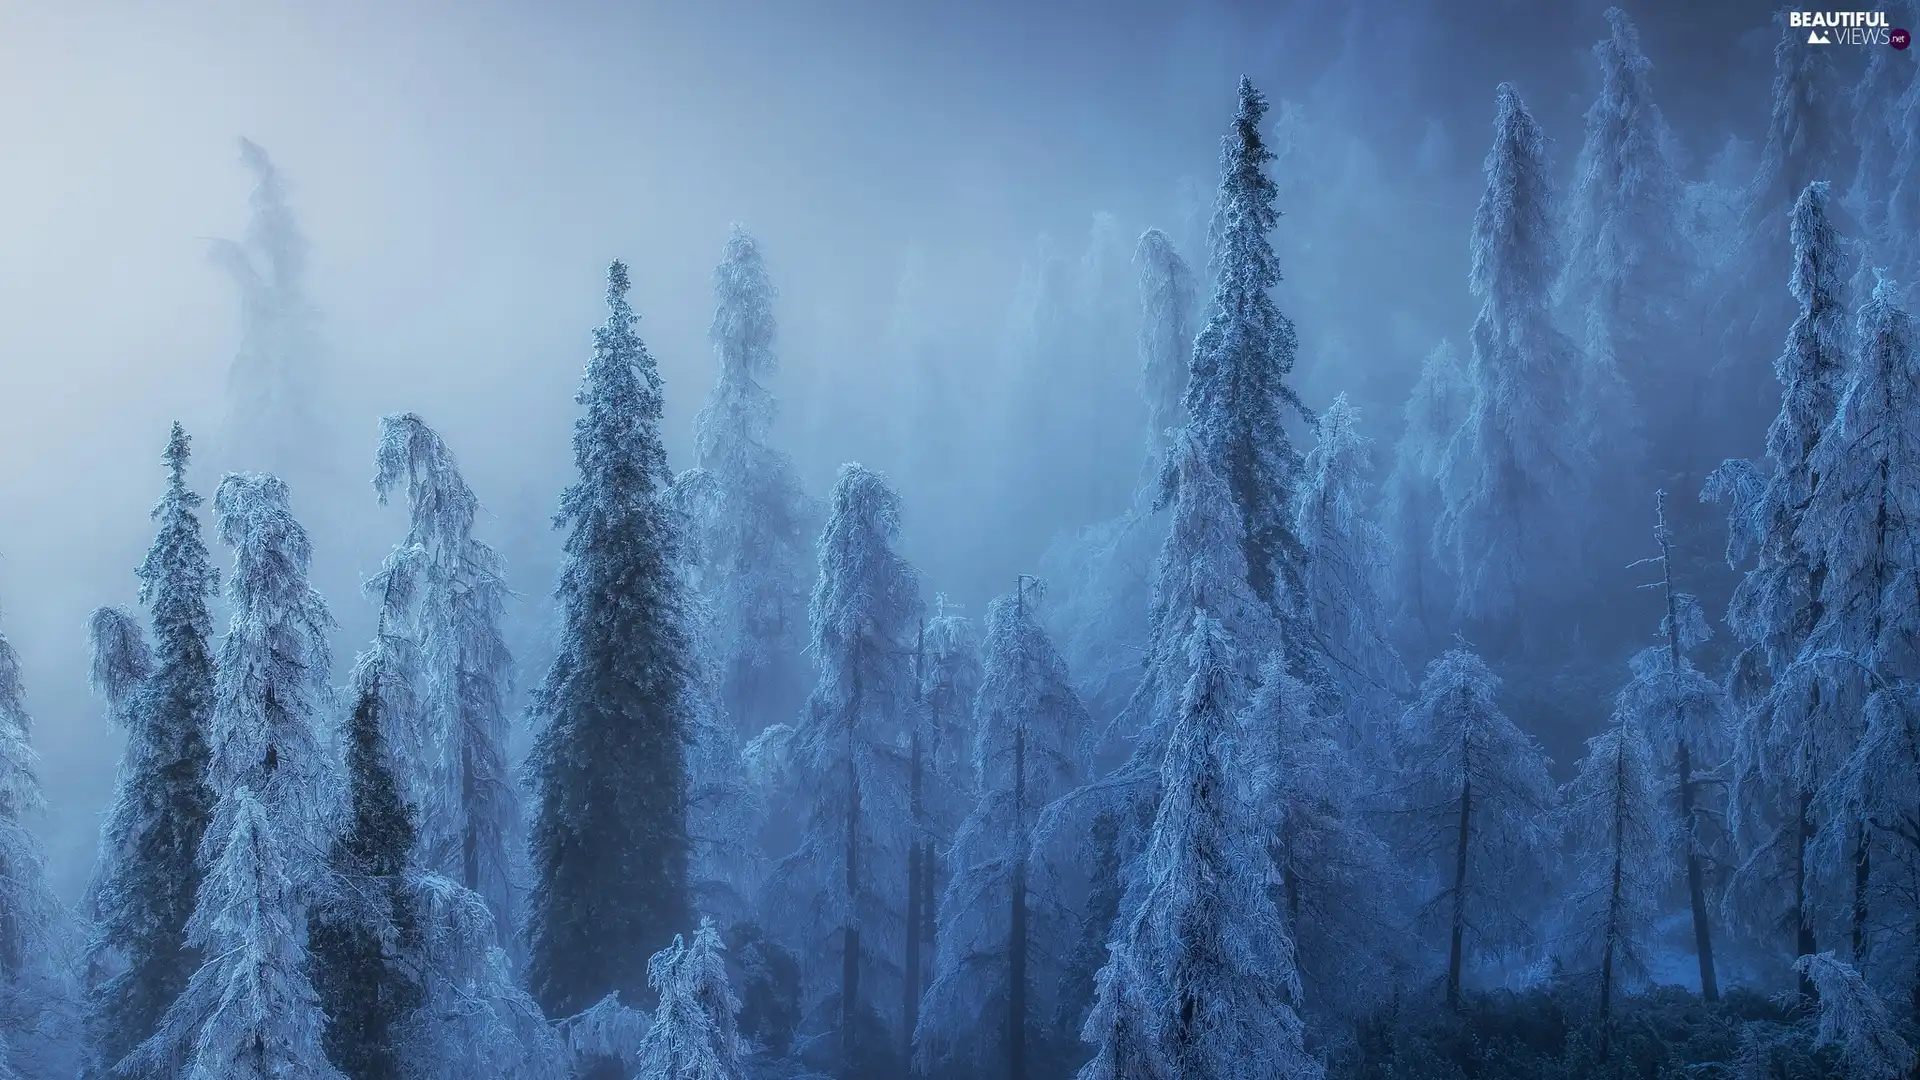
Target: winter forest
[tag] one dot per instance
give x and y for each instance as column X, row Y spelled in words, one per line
column 1227, row 655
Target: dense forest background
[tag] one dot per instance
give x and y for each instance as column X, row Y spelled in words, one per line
column 1419, row 585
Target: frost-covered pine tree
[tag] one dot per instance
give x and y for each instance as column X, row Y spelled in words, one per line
column 1861, row 527
column 1685, row 714
column 753, row 524
column 693, row 1035
column 1346, row 563
column 1625, row 273
column 39, row 1001
column 609, row 841
column 990, row 989
column 1339, row 888
column 1202, row 983
column 143, row 889
column 249, row 1010
column 473, row 1018
column 1237, row 396
column 1102, row 621
column 272, row 420
column 363, row 936
column 1854, row 1018
column 444, row 643
column 1611, row 815
column 1804, row 144
column 1520, row 462
column 1789, row 737
column 840, row 891
column 1476, row 798
column 1410, row 500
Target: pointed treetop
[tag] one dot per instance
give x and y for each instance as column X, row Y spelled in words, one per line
column 617, row 284
column 179, row 451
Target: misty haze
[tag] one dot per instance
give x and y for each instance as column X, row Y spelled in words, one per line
column 1023, row 542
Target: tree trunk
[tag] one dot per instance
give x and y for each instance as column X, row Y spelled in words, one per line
column 850, row 946
column 911, row 981
column 1618, row 876
column 1017, row 933
column 469, row 830
column 1459, row 931
column 1696, row 887
column 929, row 892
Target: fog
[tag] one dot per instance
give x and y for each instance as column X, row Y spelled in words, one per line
column 465, row 172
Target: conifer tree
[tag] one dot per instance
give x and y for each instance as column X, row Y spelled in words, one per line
column 841, row 888
column 39, row 1003
column 1476, row 796
column 1610, row 814
column 444, row 644
column 693, row 1035
column 989, row 987
column 1682, row 711
column 1166, row 337
column 364, row 936
column 609, row 841
column 272, row 418
column 1203, row 980
column 1410, row 502
column 1624, row 271
column 1520, row 461
column 1237, row 395
column 249, row 1011
column 752, row 527
column 1789, row 736
column 143, row 890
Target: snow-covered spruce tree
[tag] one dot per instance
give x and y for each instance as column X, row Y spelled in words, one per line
column 272, row 421
column 1476, row 797
column 840, row 891
column 1339, row 888
column 143, row 889
column 444, row 641
column 1410, row 500
column 1855, row 1019
column 1237, row 396
column 1521, row 459
column 1804, row 144
column 609, row 840
column 1208, row 957
column 1625, row 268
column 1684, row 713
column 473, row 1018
column 991, row 992
column 250, row 1011
column 693, row 1035
column 39, row 1001
column 752, row 531
column 1789, row 738
column 1102, row 620
column 1611, row 815
column 1861, row 527
column 1346, row 563
column 363, row 936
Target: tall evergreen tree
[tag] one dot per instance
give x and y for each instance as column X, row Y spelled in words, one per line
column 1410, row 501
column 249, row 1011
column 39, row 1002
column 1202, row 983
column 1476, row 795
column 149, row 872
column 751, row 527
column 1520, row 461
column 609, row 842
column 1237, row 396
column 1684, row 712
column 841, row 889
column 364, row 936
column 273, row 420
column 1790, row 736
column 448, row 591
column 990, row 986
column 1625, row 273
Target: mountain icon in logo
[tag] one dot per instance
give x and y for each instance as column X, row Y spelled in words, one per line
column 1818, row 38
